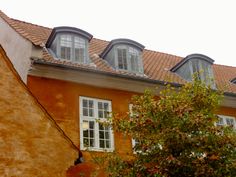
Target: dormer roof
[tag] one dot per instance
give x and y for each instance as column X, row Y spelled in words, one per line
column 190, row 57
column 69, row 30
column 121, row 41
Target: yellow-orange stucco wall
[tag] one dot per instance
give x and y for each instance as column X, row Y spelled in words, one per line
column 61, row 99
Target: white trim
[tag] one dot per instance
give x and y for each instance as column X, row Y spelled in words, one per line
column 93, row 119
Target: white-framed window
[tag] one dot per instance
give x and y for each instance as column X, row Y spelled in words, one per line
column 93, row 134
column 71, row 47
column 226, row 121
column 128, row 58
column 201, row 68
column 132, row 115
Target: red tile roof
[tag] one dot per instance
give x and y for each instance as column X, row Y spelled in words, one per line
column 157, row 65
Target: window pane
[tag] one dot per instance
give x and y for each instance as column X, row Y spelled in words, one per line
column 107, row 135
column 107, row 144
column 66, row 46
column 91, row 133
column 106, row 106
column 100, row 106
column 91, row 125
column 122, row 58
column 85, row 112
column 85, row 103
column 90, row 103
column 79, row 55
column 133, row 56
column 102, row 143
column 91, row 113
column 100, row 114
column 86, row 142
column 65, row 53
column 91, row 142
column 85, row 133
column 101, row 134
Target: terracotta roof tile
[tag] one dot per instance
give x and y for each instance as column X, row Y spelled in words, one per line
column 157, row 65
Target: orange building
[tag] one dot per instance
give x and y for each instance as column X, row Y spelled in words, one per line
column 78, row 78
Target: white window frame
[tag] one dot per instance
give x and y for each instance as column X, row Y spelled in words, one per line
column 57, row 42
column 129, row 52
column 224, row 119
column 96, row 125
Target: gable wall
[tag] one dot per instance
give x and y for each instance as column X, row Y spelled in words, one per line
column 18, row 49
column 31, row 144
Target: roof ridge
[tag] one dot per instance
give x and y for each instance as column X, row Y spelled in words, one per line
column 21, row 21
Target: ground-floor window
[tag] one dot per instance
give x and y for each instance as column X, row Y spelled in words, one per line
column 93, row 134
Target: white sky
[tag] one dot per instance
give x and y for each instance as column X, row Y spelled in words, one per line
column 179, row 27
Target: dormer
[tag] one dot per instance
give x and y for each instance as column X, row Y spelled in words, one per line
column 198, row 64
column 233, row 80
column 124, row 54
column 69, row 43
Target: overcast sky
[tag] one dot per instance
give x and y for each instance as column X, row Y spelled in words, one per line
column 179, row 27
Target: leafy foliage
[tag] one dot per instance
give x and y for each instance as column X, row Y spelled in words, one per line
column 177, row 135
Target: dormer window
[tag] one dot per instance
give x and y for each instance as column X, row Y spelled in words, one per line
column 124, row 54
column 198, row 64
column 69, row 44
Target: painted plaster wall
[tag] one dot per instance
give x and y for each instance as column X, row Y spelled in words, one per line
column 18, row 49
column 61, row 99
column 31, row 144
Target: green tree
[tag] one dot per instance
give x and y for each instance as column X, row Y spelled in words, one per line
column 176, row 134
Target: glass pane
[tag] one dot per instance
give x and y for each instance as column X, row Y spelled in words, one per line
column 101, row 134
column 91, row 113
column 106, row 106
column 85, row 133
column 100, row 106
column 91, row 125
column 100, row 114
column 65, row 52
column 91, row 142
column 107, row 144
column 91, row 133
column 79, row 55
column 85, row 103
column 106, row 135
column 86, row 142
column 90, row 104
column 85, row 125
column 122, row 58
column 105, row 114
column 102, row 144
column 85, row 111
